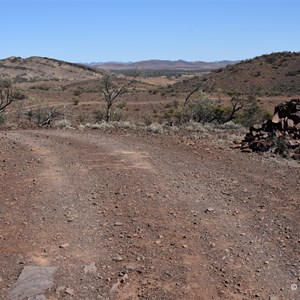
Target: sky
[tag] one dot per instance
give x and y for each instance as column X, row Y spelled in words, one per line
column 121, row 30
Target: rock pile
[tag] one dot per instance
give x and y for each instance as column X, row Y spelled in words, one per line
column 281, row 134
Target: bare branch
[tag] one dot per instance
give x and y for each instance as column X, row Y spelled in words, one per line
column 237, row 103
column 196, row 89
column 187, row 98
column 7, row 96
column 112, row 91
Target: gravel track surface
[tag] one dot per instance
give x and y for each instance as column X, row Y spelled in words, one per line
column 142, row 216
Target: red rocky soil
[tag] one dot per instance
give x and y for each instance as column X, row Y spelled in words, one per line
column 141, row 216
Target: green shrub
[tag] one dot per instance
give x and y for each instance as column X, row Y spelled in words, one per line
column 43, row 87
column 117, row 115
column 2, row 117
column 19, row 95
column 175, row 104
column 252, row 114
column 202, row 111
column 99, row 115
column 121, row 104
column 147, row 120
column 77, row 92
column 76, row 101
column 19, row 79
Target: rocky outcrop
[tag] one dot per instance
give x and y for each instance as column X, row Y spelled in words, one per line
column 280, row 134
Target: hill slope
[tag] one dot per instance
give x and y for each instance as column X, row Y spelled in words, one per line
column 42, row 68
column 273, row 74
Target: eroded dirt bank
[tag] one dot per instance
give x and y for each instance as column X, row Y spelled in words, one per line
column 135, row 216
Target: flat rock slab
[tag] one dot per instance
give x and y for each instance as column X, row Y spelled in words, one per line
column 39, row 297
column 90, row 268
column 32, row 282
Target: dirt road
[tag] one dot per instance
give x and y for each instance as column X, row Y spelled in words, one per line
column 141, row 216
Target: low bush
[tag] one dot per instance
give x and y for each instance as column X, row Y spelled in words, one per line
column 77, row 92
column 2, row 117
column 42, row 87
column 147, row 120
column 99, row 115
column 19, row 95
column 251, row 114
column 75, row 101
column 121, row 104
column 155, row 128
column 63, row 124
column 115, row 116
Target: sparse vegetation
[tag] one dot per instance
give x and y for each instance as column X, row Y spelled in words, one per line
column 200, row 99
column 242, row 109
column 42, row 116
column 42, row 87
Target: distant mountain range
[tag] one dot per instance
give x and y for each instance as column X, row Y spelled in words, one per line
column 156, row 64
column 43, row 68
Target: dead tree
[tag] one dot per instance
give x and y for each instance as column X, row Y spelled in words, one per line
column 7, row 95
column 237, row 103
column 196, row 89
column 224, row 114
column 189, row 95
column 111, row 91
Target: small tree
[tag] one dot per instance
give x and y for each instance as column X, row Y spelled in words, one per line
column 189, row 95
column 210, row 85
column 237, row 103
column 7, row 95
column 111, row 91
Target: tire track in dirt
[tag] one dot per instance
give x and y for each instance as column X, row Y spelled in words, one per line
column 67, row 192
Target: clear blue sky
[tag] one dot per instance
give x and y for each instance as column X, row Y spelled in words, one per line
column 103, row 30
